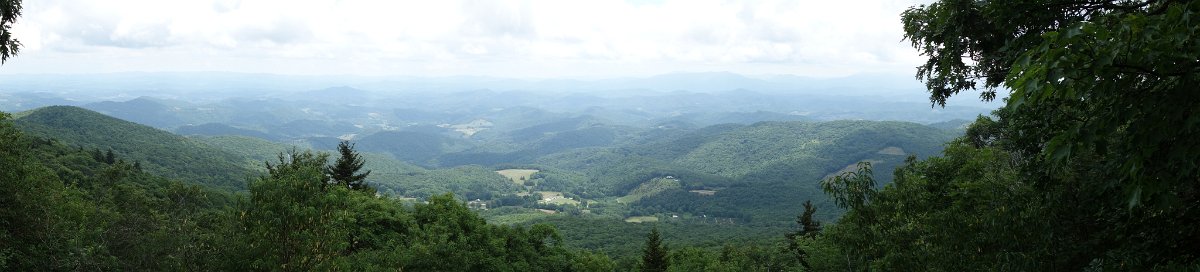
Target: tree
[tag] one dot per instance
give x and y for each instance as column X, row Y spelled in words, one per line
column 808, row 225
column 1109, row 78
column 1091, row 164
column 654, row 255
column 97, row 155
column 294, row 221
column 9, row 46
column 109, row 158
column 809, row 228
column 851, row 190
column 345, row 170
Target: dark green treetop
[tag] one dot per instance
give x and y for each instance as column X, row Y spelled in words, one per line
column 654, row 255
column 345, row 171
column 808, row 229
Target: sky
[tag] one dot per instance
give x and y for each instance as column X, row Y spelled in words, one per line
column 513, row 39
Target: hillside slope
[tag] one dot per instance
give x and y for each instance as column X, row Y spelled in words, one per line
column 756, row 173
column 158, row 152
column 771, row 146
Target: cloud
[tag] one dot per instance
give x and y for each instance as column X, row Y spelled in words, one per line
column 537, row 38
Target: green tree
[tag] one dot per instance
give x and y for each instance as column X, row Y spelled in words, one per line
column 808, row 229
column 109, row 158
column 1112, row 78
column 294, row 220
column 9, row 46
column 654, row 254
column 851, row 190
column 345, row 171
column 1098, row 141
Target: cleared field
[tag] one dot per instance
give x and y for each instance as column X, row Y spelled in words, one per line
column 469, row 129
column 518, row 176
column 516, row 218
column 641, row 219
column 556, row 198
column 650, row 188
column 704, row 192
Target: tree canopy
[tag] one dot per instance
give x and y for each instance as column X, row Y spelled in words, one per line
column 345, row 171
column 1111, row 78
column 1090, row 165
column 654, row 254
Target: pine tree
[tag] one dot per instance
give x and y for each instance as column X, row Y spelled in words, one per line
column 97, row 155
column 654, row 256
column 344, row 171
column 109, row 157
column 808, row 229
column 808, row 225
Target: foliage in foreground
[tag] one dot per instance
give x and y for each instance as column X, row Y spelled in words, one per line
column 1092, row 164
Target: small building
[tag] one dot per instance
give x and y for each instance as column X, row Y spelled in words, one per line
column 477, row 204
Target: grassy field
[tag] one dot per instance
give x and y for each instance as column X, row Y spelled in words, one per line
column 641, row 219
column 512, row 215
column 518, row 176
column 650, row 188
column 556, row 198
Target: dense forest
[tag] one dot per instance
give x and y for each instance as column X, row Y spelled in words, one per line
column 1091, row 164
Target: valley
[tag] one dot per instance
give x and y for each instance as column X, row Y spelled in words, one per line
column 519, row 165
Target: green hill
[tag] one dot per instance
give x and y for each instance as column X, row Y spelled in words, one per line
column 770, row 146
column 157, row 151
column 410, row 146
column 219, row 129
column 254, row 151
column 754, row 173
column 142, row 110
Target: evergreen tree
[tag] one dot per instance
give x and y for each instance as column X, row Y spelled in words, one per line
column 109, row 158
column 654, row 256
column 809, row 228
column 345, row 170
column 97, row 155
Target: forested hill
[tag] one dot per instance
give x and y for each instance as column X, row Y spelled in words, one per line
column 158, row 152
column 768, row 146
column 757, row 173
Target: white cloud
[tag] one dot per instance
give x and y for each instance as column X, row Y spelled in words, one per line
column 532, row 38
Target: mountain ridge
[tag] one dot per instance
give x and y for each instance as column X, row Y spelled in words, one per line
column 158, row 151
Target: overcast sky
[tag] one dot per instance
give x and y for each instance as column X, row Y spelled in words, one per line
column 521, row 39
